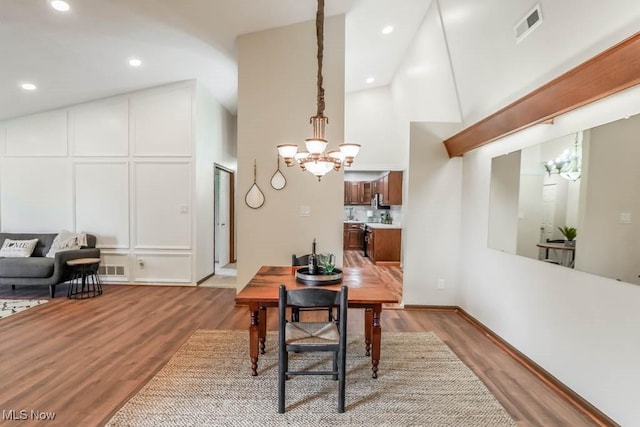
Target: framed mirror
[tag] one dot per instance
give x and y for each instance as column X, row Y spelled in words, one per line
column 587, row 181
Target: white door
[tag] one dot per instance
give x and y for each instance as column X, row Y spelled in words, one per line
column 549, row 192
column 223, row 199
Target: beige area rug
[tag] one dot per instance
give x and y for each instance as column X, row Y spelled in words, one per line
column 208, row 383
column 13, row 306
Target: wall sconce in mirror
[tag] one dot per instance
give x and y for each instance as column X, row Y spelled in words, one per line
column 569, row 163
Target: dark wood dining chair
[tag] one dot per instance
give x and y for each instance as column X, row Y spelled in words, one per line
column 299, row 261
column 304, row 337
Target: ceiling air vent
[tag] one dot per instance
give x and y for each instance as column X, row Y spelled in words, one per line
column 527, row 24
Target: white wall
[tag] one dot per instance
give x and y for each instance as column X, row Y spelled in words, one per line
column 277, row 95
column 120, row 168
column 492, row 70
column 372, row 121
column 215, row 143
column 423, row 87
column 580, row 327
column 423, row 90
column 431, row 219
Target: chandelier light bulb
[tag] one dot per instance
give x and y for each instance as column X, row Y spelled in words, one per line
column 350, row 149
column 337, row 154
column 288, row 152
column 301, row 155
column 315, row 146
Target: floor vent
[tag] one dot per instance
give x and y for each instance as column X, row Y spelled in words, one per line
column 527, row 24
column 111, row 270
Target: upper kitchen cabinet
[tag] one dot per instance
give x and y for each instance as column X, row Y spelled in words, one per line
column 390, row 187
column 357, row 193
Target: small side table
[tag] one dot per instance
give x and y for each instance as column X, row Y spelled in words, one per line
column 85, row 282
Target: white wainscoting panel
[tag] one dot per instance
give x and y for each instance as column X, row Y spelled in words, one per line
column 100, row 128
column 102, row 202
column 161, row 122
column 162, row 198
column 36, row 195
column 38, row 135
column 162, row 267
column 115, row 267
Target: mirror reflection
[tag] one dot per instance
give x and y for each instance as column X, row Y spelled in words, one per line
column 572, row 201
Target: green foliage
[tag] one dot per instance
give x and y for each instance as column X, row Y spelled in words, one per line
column 569, row 233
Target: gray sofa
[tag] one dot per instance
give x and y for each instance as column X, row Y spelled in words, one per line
column 38, row 270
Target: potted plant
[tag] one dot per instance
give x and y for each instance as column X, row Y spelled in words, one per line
column 569, row 234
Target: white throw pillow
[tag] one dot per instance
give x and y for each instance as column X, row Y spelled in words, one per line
column 18, row 248
column 66, row 241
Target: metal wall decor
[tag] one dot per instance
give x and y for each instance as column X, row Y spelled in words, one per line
column 278, row 181
column 254, row 197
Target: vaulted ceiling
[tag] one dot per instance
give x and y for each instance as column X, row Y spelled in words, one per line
column 83, row 54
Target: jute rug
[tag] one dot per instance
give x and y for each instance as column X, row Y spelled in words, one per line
column 13, row 306
column 208, row 383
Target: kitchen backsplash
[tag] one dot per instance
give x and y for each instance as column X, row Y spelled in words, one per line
column 367, row 214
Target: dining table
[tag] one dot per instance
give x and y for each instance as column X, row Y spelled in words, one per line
column 367, row 291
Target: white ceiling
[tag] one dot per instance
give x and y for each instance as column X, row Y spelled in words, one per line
column 82, row 54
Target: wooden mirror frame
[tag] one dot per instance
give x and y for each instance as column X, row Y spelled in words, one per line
column 609, row 72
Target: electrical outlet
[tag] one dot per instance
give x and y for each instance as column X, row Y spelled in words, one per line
column 440, row 283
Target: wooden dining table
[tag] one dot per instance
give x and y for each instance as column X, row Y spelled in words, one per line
column 366, row 291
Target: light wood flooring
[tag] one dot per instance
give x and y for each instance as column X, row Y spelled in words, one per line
column 83, row 359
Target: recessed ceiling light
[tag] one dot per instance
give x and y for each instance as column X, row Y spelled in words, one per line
column 388, row 29
column 370, row 80
column 135, row 62
column 28, row 86
column 60, row 5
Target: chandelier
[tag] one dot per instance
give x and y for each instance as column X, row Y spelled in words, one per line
column 568, row 164
column 315, row 158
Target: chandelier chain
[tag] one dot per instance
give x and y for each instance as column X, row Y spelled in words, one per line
column 320, row 41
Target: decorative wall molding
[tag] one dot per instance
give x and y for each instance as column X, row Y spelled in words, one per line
column 611, row 71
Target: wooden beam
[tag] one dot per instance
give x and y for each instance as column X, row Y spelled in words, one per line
column 609, row 72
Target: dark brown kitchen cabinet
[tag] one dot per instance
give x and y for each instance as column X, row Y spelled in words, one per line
column 390, row 187
column 365, row 189
column 357, row 193
column 350, row 193
column 383, row 245
column 352, row 236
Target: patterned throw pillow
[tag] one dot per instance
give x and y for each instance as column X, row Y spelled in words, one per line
column 18, row 248
column 66, row 241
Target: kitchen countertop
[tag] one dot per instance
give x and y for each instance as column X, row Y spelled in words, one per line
column 374, row 224
column 380, row 225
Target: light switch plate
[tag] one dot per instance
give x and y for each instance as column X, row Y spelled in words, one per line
column 625, row 217
column 305, row 210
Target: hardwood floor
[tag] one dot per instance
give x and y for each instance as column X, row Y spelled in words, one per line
column 82, row 359
column 392, row 275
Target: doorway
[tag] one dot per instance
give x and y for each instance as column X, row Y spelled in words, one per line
column 224, row 222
